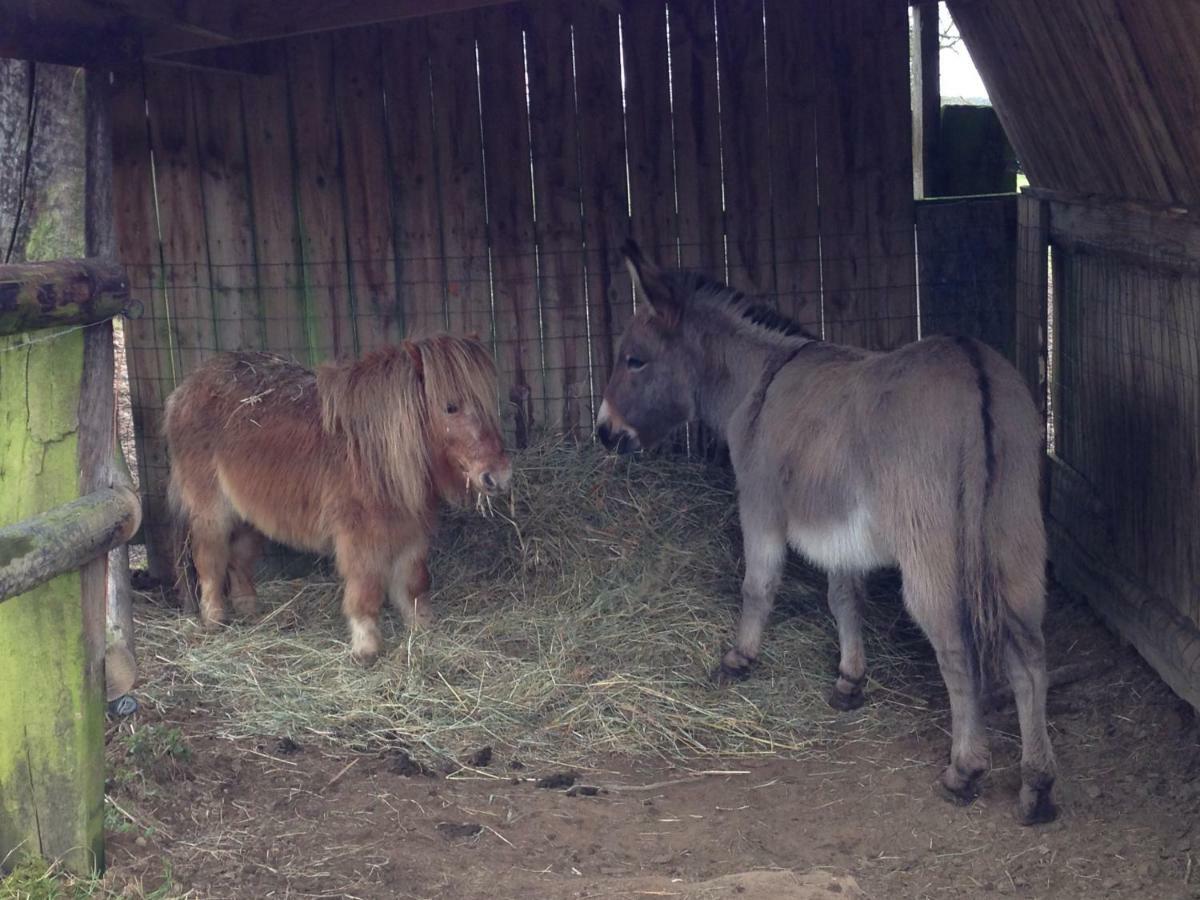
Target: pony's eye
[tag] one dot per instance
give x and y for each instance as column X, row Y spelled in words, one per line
column 635, row 364
column 451, row 408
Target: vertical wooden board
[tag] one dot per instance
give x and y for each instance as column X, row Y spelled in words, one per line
column 369, row 228
column 697, row 135
column 891, row 214
column 968, row 260
column 1031, row 313
column 865, row 172
column 746, row 145
column 421, row 290
column 460, row 167
column 605, row 197
column 320, row 200
column 792, row 98
column 182, row 227
column 148, row 346
column 286, row 305
column 51, row 713
column 510, row 219
column 221, row 150
column 653, row 221
column 844, row 160
column 555, row 154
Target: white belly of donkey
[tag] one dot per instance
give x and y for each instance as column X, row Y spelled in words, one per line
column 845, row 546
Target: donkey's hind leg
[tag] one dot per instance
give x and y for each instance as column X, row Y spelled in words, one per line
column 765, row 551
column 1025, row 658
column 244, row 551
column 935, row 604
column 847, row 597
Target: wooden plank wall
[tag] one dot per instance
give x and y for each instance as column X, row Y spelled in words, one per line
column 1126, row 408
column 477, row 171
column 967, row 261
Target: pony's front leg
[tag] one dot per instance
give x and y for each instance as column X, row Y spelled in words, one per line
column 361, row 604
column 408, row 586
column 765, row 549
column 847, row 597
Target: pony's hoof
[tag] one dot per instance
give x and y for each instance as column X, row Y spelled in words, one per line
column 846, row 702
column 211, row 623
column 734, row 666
column 364, row 658
column 1035, row 807
column 959, row 788
column 246, row 606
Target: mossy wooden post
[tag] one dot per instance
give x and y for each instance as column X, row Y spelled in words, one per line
column 54, row 423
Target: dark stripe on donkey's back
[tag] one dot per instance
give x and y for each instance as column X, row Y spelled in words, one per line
column 971, row 348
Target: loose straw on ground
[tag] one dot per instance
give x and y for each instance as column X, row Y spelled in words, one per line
column 581, row 619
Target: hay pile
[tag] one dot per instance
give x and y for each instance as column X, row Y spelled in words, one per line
column 583, row 619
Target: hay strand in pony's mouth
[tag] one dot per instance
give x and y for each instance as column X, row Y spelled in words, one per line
column 583, row 620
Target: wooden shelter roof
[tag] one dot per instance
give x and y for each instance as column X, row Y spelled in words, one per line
column 1098, row 97
column 186, row 32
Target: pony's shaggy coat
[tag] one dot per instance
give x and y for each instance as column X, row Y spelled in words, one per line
column 348, row 461
column 927, row 457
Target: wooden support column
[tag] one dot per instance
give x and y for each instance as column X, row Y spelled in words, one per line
column 52, row 702
column 926, row 96
column 106, row 466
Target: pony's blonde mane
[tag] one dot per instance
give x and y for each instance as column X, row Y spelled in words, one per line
column 381, row 404
column 460, row 371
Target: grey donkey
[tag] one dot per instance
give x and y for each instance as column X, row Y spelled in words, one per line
column 927, row 458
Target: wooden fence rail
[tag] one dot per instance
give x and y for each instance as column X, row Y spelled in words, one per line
column 39, row 548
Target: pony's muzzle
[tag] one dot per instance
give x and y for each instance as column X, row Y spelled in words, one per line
column 496, row 480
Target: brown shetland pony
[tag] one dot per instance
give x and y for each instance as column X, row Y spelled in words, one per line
column 349, row 461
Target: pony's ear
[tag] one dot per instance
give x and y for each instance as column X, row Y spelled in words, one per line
column 652, row 288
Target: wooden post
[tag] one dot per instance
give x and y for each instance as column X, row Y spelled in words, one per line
column 52, row 702
column 927, row 97
column 106, row 466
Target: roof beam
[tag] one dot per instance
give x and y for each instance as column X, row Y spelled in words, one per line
column 112, row 43
column 221, row 24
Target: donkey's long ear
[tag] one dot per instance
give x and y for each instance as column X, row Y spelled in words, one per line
column 652, row 288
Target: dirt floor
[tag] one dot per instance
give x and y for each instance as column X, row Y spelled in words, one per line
column 281, row 818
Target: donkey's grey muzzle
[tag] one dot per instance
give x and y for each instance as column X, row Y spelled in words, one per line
column 620, row 440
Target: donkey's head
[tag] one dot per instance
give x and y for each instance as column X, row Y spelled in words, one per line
column 460, row 395
column 653, row 386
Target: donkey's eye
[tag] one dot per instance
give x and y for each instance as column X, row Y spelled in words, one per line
column 451, row 408
column 635, row 364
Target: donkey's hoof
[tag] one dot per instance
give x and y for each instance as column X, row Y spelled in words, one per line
column 734, row 666
column 1035, row 807
column 846, row 702
column 960, row 788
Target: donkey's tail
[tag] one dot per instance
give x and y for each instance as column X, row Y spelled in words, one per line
column 179, row 545
column 984, row 613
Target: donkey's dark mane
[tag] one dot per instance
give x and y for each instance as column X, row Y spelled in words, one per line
column 714, row 293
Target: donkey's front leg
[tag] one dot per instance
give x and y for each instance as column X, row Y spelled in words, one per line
column 766, row 549
column 847, row 597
